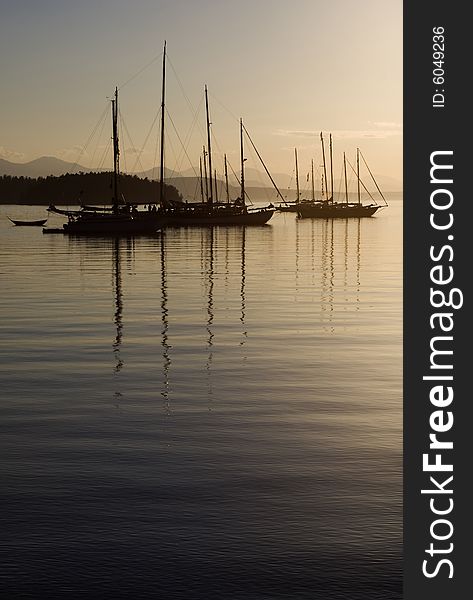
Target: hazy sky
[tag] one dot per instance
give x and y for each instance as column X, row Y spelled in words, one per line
column 289, row 68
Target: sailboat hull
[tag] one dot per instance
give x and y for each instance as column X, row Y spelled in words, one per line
column 322, row 210
column 106, row 224
column 287, row 207
column 190, row 218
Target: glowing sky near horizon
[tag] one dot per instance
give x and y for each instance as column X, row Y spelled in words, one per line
column 290, row 69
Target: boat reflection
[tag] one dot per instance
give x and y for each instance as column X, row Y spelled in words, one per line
column 242, row 291
column 328, row 271
column 341, row 236
column 328, row 264
column 166, row 358
column 209, row 284
column 222, row 277
column 118, row 315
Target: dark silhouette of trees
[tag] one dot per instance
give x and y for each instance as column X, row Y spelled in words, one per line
column 88, row 188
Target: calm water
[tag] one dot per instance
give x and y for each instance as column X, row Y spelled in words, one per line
column 203, row 414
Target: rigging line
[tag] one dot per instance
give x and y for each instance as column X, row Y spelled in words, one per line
column 104, row 155
column 304, row 188
column 186, row 140
column 364, row 186
column 122, row 139
column 196, row 189
column 195, row 121
column 100, row 121
column 218, row 146
column 289, row 188
column 99, row 137
column 156, row 150
column 349, row 183
column 172, row 153
column 225, row 108
column 189, row 104
column 120, row 87
column 238, row 180
column 184, row 149
column 233, row 171
column 172, row 172
column 123, row 123
column 258, row 175
column 248, row 198
column 316, row 176
column 262, row 162
column 237, row 120
column 138, row 158
column 372, row 177
column 340, row 182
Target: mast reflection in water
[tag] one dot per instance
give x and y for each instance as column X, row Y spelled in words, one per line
column 210, row 307
column 289, row 487
column 165, row 324
column 117, row 277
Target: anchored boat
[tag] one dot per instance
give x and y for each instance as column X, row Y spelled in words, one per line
column 210, row 211
column 117, row 219
column 327, row 209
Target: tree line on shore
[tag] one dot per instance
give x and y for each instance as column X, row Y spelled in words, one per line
column 87, row 188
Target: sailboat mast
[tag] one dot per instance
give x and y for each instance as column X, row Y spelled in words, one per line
column 346, row 183
column 325, row 163
column 358, row 173
column 161, row 177
column 297, row 177
column 205, row 176
column 201, row 181
column 209, row 148
column 331, row 170
column 216, row 188
column 116, row 151
column 312, row 174
column 242, row 160
column 226, row 178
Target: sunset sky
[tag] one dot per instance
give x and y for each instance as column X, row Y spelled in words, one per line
column 290, row 69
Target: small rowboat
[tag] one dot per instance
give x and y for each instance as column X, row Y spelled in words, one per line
column 39, row 223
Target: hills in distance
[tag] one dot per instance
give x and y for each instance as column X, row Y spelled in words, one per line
column 183, row 181
column 50, row 165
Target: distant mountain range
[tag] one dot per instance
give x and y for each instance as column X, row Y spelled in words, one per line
column 40, row 167
column 185, row 181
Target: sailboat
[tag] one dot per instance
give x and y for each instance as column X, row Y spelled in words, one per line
column 294, row 206
column 117, row 219
column 326, row 209
column 210, row 211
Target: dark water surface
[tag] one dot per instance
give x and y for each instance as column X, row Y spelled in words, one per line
column 202, row 414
